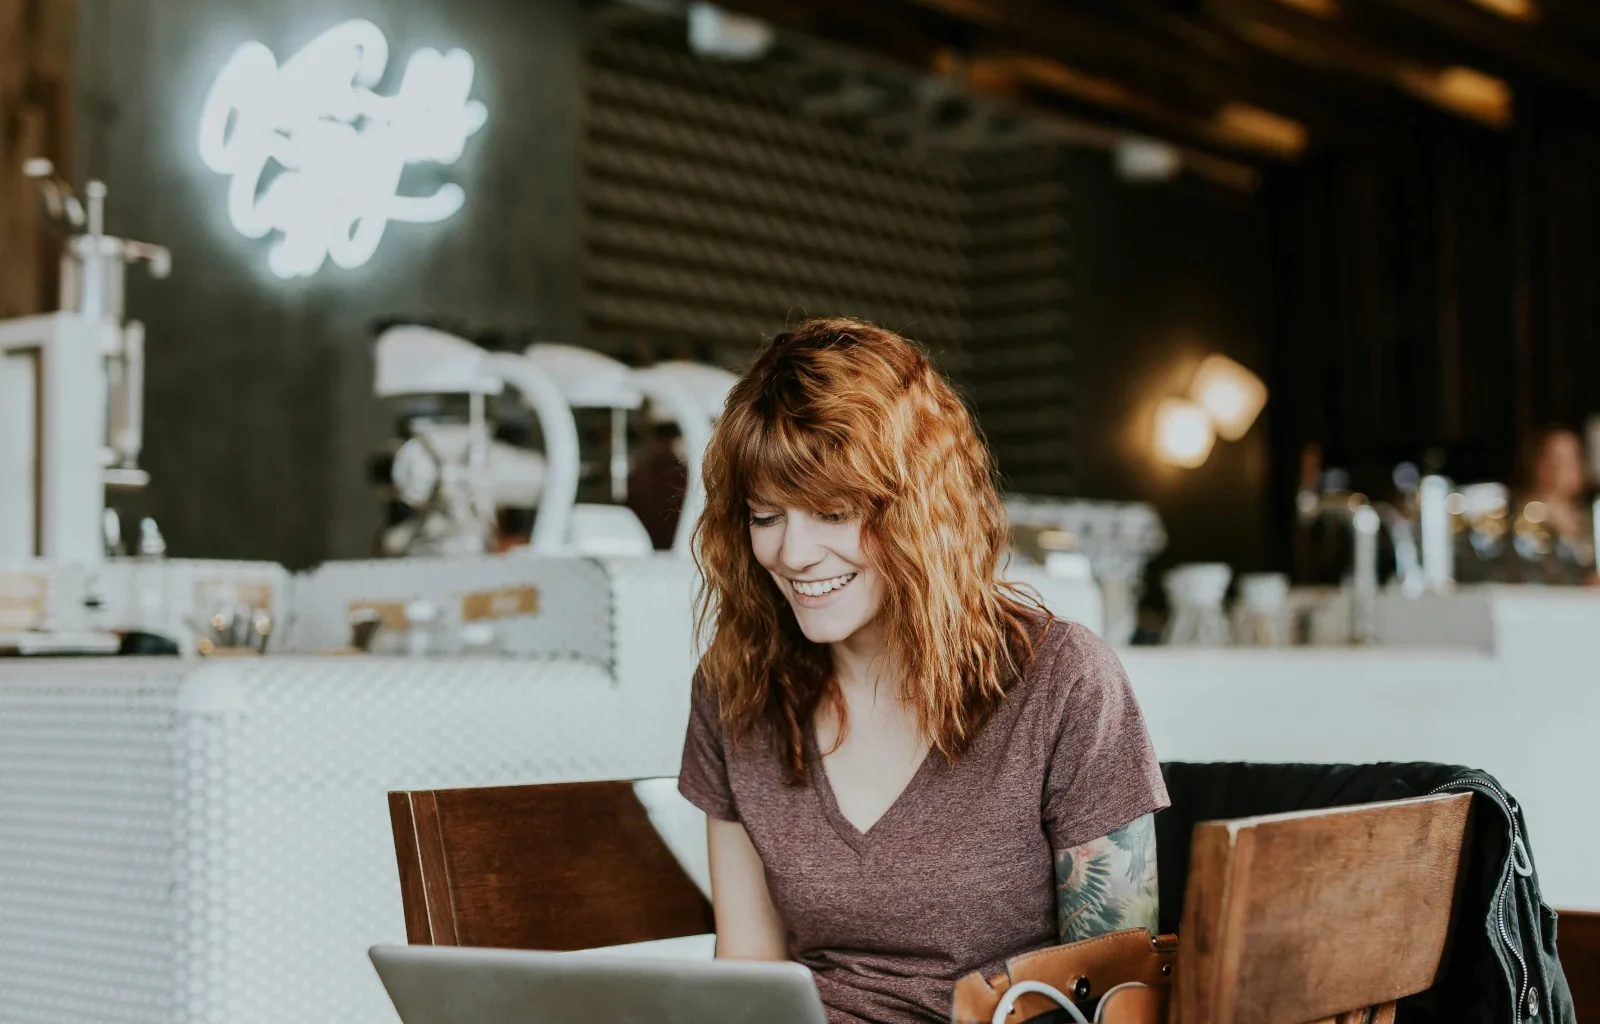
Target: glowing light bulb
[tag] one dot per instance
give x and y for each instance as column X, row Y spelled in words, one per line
column 1184, row 434
column 315, row 155
column 1231, row 394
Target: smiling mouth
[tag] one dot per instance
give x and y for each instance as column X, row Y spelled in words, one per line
column 821, row 588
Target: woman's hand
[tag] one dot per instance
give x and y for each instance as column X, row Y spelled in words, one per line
column 1109, row 884
column 748, row 926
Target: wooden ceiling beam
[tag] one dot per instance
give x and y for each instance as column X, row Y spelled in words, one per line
column 1017, row 73
column 1496, row 44
column 1171, row 91
column 1046, row 82
column 1427, row 72
column 1214, row 61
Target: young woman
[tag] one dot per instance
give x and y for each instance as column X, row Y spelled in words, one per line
column 910, row 772
column 1551, row 504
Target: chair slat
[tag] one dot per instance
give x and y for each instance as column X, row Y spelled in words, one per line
column 554, row 867
column 1301, row 917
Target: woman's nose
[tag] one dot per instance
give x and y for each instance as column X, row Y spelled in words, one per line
column 801, row 546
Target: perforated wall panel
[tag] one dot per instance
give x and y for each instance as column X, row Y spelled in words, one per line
column 717, row 212
column 90, row 798
column 209, row 842
column 1019, row 374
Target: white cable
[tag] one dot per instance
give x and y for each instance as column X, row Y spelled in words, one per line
column 1105, row 1000
column 1023, row 988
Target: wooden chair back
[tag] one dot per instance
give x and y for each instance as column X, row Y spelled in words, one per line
column 1579, row 945
column 552, row 867
column 1304, row 917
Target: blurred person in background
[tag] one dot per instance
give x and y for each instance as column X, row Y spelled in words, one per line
column 657, row 484
column 1554, row 528
column 910, row 771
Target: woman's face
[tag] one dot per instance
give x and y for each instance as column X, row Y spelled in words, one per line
column 816, row 560
column 1559, row 470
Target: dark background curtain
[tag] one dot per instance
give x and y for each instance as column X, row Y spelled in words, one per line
column 1435, row 297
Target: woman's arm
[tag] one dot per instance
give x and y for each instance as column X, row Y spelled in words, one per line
column 748, row 926
column 1108, row 884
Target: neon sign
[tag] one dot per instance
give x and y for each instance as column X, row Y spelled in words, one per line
column 314, row 154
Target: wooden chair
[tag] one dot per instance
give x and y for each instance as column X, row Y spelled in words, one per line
column 1319, row 915
column 1313, row 916
column 554, row 867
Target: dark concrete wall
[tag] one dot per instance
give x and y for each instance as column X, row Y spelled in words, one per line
column 260, row 407
column 1163, row 275
column 261, row 415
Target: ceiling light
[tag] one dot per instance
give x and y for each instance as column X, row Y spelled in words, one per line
column 1474, row 90
column 1140, row 159
column 1515, row 10
column 1184, row 435
column 1230, row 394
column 1463, row 91
column 1262, row 129
column 714, row 32
column 1320, row 8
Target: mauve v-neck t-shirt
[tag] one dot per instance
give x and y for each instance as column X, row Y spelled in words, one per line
column 958, row 874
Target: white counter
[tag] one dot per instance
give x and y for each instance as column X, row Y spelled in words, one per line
column 1529, row 714
column 208, row 842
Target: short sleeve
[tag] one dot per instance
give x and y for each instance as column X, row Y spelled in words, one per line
column 703, row 776
column 1103, row 771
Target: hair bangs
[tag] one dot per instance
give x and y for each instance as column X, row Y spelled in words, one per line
column 785, row 464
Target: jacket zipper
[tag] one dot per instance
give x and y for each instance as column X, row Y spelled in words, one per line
column 1523, row 979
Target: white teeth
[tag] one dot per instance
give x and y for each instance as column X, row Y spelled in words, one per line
column 817, row 588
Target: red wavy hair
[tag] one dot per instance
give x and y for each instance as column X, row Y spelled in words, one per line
column 842, row 416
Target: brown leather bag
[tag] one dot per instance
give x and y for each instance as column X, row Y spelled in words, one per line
column 1128, row 972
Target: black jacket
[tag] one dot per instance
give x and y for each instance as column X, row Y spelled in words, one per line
column 1502, row 966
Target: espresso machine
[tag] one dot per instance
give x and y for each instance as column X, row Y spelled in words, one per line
column 453, row 477
column 71, row 388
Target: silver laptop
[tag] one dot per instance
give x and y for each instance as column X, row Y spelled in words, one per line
column 459, row 985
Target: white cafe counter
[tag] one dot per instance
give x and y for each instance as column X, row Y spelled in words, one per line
column 1534, row 732
column 1517, row 694
column 208, row 842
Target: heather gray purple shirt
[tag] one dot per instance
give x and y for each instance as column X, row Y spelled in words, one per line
column 958, row 874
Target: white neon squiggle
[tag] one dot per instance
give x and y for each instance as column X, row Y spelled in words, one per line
column 339, row 148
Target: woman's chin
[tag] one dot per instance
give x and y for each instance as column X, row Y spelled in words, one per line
column 821, row 627
column 823, row 632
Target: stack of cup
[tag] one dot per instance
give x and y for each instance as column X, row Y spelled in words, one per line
column 1194, row 595
column 1261, row 614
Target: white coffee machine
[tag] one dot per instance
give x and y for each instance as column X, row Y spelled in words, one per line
column 71, row 389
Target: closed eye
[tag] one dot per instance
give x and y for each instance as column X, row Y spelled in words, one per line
column 764, row 518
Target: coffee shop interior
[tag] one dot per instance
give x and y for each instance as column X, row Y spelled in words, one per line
column 357, row 360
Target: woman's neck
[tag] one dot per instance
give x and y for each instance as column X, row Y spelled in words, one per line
column 860, row 660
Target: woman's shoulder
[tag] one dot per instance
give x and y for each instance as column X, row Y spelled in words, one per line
column 1078, row 689
column 1068, row 654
